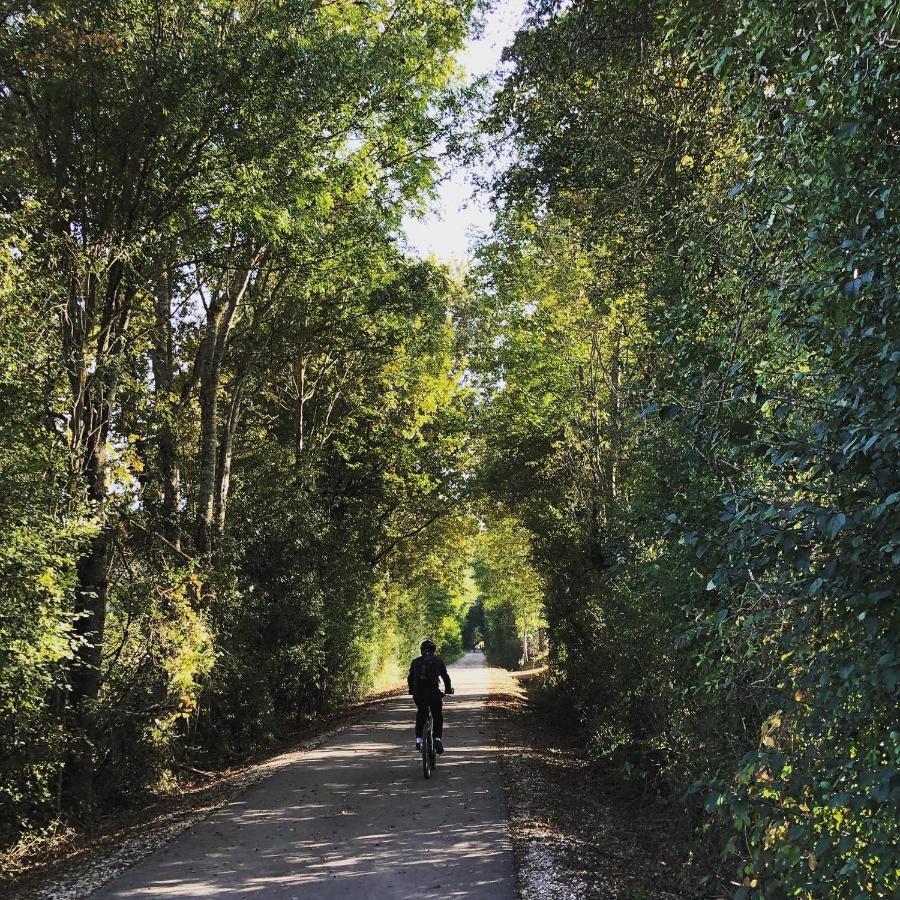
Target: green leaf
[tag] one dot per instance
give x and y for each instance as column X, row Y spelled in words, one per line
column 835, row 524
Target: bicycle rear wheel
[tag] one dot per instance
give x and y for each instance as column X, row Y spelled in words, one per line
column 427, row 748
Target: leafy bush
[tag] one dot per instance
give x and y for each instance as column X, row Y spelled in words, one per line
column 689, row 356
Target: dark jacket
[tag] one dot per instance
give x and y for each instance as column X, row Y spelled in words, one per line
column 424, row 672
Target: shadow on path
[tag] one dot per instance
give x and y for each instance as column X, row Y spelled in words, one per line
column 356, row 818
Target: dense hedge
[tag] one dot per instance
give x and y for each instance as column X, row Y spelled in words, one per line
column 689, row 353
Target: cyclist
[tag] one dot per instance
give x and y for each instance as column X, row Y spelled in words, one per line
column 424, row 672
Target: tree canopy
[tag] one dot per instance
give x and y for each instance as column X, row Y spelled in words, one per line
column 687, row 343
column 252, row 451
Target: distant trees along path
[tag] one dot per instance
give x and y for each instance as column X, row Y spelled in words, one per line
column 251, row 452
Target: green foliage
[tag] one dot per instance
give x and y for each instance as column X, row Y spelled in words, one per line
column 687, row 347
column 510, row 594
column 233, row 434
column 41, row 535
column 808, row 575
column 159, row 652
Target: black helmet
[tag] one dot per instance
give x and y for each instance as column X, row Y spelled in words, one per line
column 428, row 646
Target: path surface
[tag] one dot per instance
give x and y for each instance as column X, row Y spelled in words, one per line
column 355, row 818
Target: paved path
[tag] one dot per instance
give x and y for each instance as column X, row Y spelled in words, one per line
column 355, row 818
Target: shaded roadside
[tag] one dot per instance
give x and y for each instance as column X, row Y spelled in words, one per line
column 73, row 862
column 344, row 808
column 355, row 817
column 579, row 829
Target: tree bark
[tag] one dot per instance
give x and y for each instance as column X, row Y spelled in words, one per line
column 300, row 407
column 163, row 362
column 220, row 318
column 209, row 423
column 93, row 398
column 90, row 602
column 223, row 481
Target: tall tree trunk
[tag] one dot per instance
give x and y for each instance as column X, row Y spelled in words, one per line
column 209, row 426
column 210, row 360
column 595, row 414
column 300, row 382
column 223, row 481
column 90, row 602
column 163, row 362
column 93, row 398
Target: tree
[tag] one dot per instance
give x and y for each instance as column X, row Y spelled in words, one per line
column 722, row 529
column 183, row 182
column 511, row 593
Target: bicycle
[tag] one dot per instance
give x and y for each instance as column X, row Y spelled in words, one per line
column 429, row 754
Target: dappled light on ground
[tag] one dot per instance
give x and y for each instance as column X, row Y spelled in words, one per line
column 355, row 817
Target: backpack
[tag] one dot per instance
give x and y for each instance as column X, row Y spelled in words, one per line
column 426, row 674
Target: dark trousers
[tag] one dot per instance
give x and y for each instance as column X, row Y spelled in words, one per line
column 436, row 704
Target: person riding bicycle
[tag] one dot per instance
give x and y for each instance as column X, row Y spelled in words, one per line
column 424, row 672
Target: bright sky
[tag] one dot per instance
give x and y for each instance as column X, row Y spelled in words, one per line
column 456, row 215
